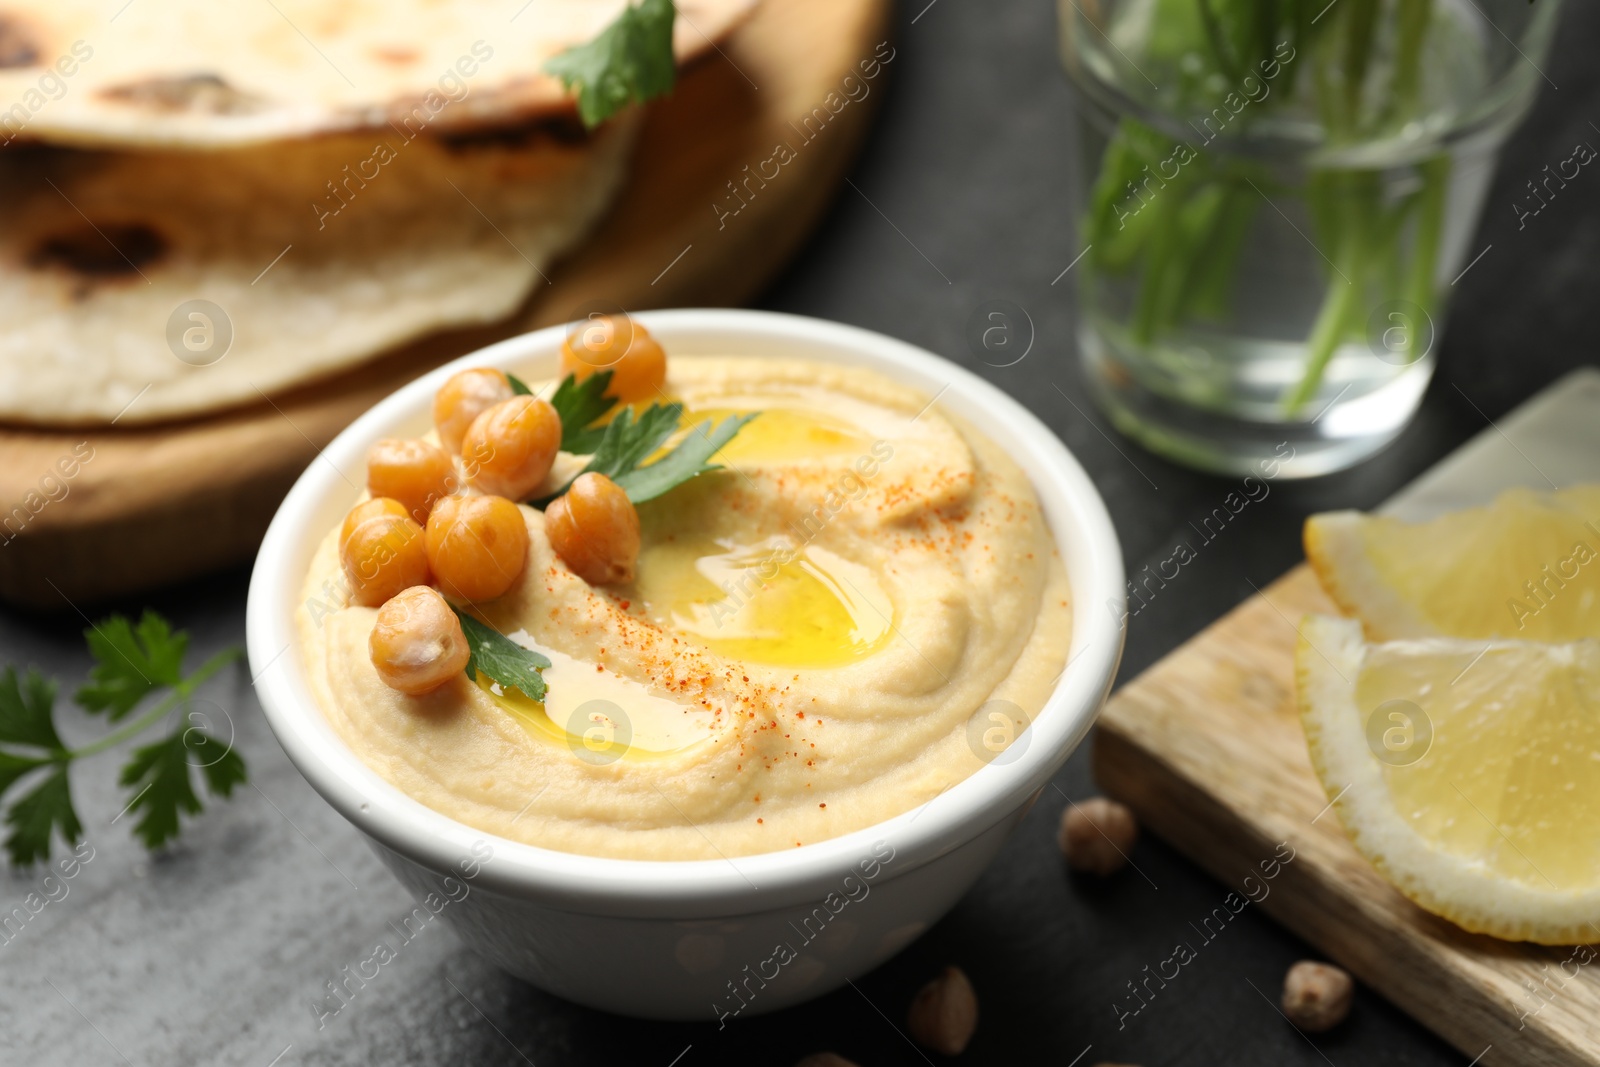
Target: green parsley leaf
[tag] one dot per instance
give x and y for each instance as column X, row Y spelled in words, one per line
column 160, row 773
column 33, row 817
column 631, row 60
column 627, row 442
column 583, row 442
column 500, row 659
column 685, row 461
column 25, row 711
column 579, row 404
column 131, row 663
column 13, row 767
column 518, row 386
column 222, row 773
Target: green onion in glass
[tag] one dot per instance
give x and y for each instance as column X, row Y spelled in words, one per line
column 1277, row 196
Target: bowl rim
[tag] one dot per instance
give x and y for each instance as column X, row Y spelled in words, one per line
column 1080, row 526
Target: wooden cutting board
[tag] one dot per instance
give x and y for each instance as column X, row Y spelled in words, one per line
column 153, row 505
column 1206, row 747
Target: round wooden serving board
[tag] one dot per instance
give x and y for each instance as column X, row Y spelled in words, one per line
column 152, row 505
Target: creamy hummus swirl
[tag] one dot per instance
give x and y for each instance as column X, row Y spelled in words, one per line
column 856, row 614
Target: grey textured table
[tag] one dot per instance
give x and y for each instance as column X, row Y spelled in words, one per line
column 211, row 952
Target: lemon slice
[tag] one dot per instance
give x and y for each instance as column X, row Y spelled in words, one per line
column 1527, row 567
column 1467, row 772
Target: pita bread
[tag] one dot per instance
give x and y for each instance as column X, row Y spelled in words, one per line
column 203, row 74
column 319, row 253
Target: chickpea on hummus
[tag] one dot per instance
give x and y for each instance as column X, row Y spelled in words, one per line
column 854, row 614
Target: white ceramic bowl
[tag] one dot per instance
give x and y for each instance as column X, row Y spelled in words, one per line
column 697, row 939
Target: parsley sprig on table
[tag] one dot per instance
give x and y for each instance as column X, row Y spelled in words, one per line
column 132, row 662
column 630, row 61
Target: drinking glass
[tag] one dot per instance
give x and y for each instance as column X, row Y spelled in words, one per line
column 1276, row 199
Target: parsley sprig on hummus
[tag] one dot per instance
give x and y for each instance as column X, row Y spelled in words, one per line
column 618, row 449
column 498, row 658
column 685, row 461
column 626, row 442
column 580, row 405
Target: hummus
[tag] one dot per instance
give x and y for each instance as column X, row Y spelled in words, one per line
column 861, row 611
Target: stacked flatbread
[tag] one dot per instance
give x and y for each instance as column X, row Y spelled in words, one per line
column 205, row 203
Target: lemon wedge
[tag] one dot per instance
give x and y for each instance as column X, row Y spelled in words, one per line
column 1525, row 567
column 1467, row 772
